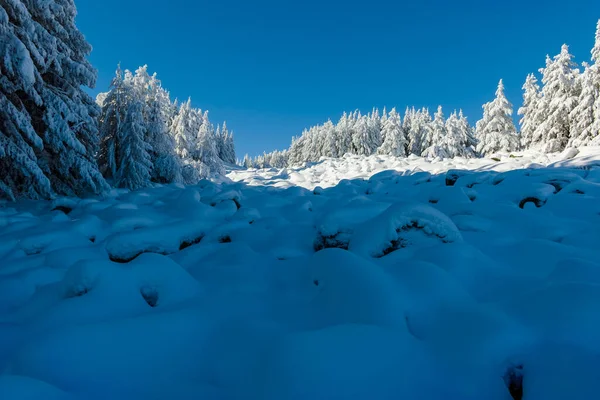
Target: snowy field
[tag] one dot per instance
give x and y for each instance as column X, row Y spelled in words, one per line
column 360, row 278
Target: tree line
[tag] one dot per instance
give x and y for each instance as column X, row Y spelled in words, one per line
column 563, row 112
column 55, row 139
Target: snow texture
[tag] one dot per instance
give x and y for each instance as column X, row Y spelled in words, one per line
column 353, row 278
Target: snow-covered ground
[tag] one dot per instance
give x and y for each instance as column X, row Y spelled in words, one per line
column 395, row 279
column 330, row 171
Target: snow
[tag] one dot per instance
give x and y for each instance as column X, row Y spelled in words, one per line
column 352, row 278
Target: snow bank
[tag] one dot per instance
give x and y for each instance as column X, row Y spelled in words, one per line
column 438, row 279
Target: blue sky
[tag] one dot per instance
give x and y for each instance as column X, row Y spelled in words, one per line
column 271, row 68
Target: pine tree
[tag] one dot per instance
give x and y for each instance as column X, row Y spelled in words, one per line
column 530, row 111
column 582, row 116
column 467, row 136
column 112, row 117
column 207, row 149
column 166, row 165
column 437, row 137
column 559, row 97
column 596, row 49
column 48, row 128
column 455, row 141
column 226, row 147
column 182, row 130
column 420, row 132
column 247, row 161
column 373, row 132
column 135, row 164
column 360, row 138
column 343, row 135
column 496, row 130
column 595, row 82
column 395, row 143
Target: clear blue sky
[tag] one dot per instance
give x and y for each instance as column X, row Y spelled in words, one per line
column 272, row 67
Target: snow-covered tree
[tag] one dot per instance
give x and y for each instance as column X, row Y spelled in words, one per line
column 467, row 135
column 417, row 124
column 360, row 138
column 166, row 166
column 247, row 161
column 559, row 98
column 225, row 146
column 182, row 130
column 437, row 137
column 343, row 135
column 48, row 128
column 112, row 116
column 496, row 130
column 395, row 143
column 530, row 112
column 595, row 82
column 134, row 164
column 596, row 49
column 456, row 143
column 207, row 149
column 582, row 116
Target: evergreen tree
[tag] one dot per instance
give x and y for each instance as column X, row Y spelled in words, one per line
column 207, row 149
column 420, row 131
column 135, row 164
column 360, row 137
column 496, row 130
column 395, row 143
column 112, row 117
column 596, row 49
column 467, row 136
column 455, row 143
column 247, row 161
column 531, row 117
column 226, row 147
column 437, row 137
column 595, row 82
column 182, row 130
column 48, row 128
column 343, row 136
column 582, row 116
column 166, row 164
column 559, row 97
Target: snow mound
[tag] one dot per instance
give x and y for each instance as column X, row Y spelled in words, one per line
column 392, row 229
column 362, row 277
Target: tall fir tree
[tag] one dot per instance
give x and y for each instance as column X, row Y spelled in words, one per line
column 206, row 151
column 467, row 135
column 595, row 82
column 496, row 130
column 114, row 107
column 582, row 116
column 395, row 143
column 559, row 98
column 48, row 127
column 135, row 164
column 182, row 130
column 437, row 137
column 531, row 116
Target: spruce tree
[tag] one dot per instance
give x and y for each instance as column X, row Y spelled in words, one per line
column 496, row 130
column 531, row 116
column 181, row 130
column 206, row 151
column 559, row 98
column 395, row 143
column 582, row 116
column 467, row 135
column 48, row 124
column 437, row 137
column 135, row 164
